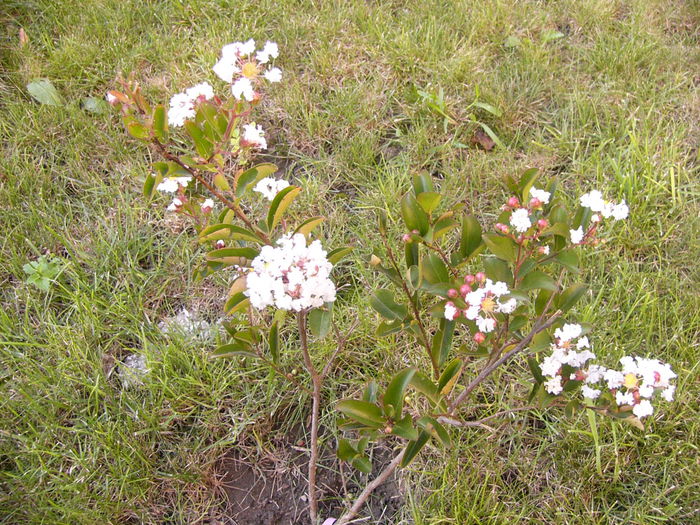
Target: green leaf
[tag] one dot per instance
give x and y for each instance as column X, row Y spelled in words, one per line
column 443, row 226
column 411, row 253
column 428, row 201
column 527, row 180
column 274, row 342
column 383, row 302
column 414, row 447
column 471, row 236
column 136, row 129
column 320, row 320
column 361, row 411
column 422, row 183
column 498, row 270
column 535, row 369
column 160, row 123
column 233, row 349
column 425, row 386
column 541, row 300
column 346, row 451
column 501, row 247
column 433, row 270
column 569, row 259
column 363, row 464
column 251, row 176
column 43, row 91
column 488, row 107
column 227, row 231
column 236, row 303
column 551, row 34
column 413, row 214
column 442, row 341
column 335, row 256
column 239, row 256
column 404, row 428
column 570, row 296
column 306, row 227
column 487, row 129
column 279, row 205
column 150, row 184
column 221, row 182
column 450, row 376
column 436, row 430
column 204, row 147
column 540, row 342
column 538, row 280
column 370, row 393
column 393, row 397
column 386, row 328
column 95, row 105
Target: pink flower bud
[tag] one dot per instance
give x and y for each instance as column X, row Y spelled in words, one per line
column 416, row 232
column 479, row 337
column 406, row 237
column 452, row 293
column 220, row 244
column 542, row 224
column 513, row 202
column 481, row 277
column 502, row 228
column 465, row 289
column 469, row 279
column 535, row 202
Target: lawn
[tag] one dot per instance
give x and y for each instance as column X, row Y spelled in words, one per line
column 596, row 94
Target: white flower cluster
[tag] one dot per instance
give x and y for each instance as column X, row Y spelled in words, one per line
column 603, row 209
column 594, row 201
column 241, row 69
column 254, row 136
column 633, row 386
column 520, row 217
column 270, row 187
column 171, row 184
column 182, row 105
column 292, row 276
column 565, row 351
column 482, row 304
column 638, row 381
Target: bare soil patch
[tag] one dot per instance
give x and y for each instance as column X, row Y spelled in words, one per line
column 271, row 489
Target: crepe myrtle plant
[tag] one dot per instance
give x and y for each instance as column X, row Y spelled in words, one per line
column 470, row 299
column 467, row 299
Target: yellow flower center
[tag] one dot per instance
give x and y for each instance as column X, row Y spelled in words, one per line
column 631, row 381
column 488, row 304
column 249, row 70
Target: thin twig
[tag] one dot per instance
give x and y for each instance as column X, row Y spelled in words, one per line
column 316, row 404
column 340, row 345
column 362, row 498
column 281, row 372
column 414, row 308
column 536, row 329
column 480, row 422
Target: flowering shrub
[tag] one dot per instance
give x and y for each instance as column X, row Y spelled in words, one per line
column 468, row 298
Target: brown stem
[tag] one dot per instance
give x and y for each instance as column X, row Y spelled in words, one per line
column 362, row 498
column 316, row 405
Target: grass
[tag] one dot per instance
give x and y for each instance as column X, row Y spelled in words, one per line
column 612, row 104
